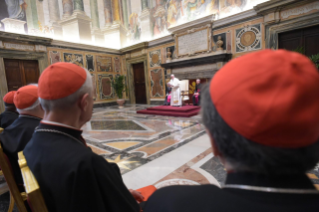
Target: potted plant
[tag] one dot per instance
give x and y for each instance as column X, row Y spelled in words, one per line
column 118, row 84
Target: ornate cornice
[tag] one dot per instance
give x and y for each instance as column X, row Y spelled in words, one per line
column 203, row 59
column 278, row 5
column 196, row 23
column 234, row 18
column 65, row 44
column 162, row 40
column 14, row 37
column 134, row 47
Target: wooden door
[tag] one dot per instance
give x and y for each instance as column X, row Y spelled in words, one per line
column 139, row 83
column 20, row 73
column 307, row 38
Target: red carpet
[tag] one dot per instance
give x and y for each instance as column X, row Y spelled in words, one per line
column 185, row 111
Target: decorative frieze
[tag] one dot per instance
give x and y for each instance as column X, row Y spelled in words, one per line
column 300, row 10
column 20, row 47
column 40, row 48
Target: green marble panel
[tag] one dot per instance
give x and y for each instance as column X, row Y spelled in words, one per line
column 78, row 5
column 94, row 14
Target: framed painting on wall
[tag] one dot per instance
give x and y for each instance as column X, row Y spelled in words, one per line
column 157, row 84
column 104, row 63
column 55, row 57
column 105, row 86
column 90, row 62
column 74, row 58
column 117, row 64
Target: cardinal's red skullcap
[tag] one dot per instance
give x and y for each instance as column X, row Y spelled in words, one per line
column 26, row 96
column 270, row 97
column 61, row 80
column 8, row 98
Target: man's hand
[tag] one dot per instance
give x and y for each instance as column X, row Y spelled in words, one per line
column 137, row 195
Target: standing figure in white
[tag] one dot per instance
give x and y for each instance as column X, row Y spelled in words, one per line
column 176, row 99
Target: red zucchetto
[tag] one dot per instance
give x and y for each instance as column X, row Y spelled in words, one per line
column 26, row 96
column 8, row 98
column 270, row 97
column 61, row 80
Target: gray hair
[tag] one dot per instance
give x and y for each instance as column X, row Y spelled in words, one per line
column 87, row 87
column 244, row 155
column 33, row 107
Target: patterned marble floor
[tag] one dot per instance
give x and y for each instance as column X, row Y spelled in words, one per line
column 156, row 150
column 153, row 150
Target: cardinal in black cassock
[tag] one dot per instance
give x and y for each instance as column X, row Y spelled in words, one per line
column 71, row 177
column 265, row 133
column 15, row 137
column 10, row 114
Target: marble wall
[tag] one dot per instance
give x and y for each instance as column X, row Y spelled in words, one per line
column 103, row 68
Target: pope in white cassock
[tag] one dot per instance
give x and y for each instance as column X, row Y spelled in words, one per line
column 176, row 99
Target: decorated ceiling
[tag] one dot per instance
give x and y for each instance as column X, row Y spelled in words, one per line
column 93, row 21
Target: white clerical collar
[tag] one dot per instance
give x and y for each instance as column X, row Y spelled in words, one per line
column 58, row 124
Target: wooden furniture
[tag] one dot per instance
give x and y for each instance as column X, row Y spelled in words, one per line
column 4, row 188
column 18, row 197
column 31, row 185
column 184, row 86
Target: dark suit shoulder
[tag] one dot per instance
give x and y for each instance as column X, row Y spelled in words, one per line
column 211, row 198
column 181, row 198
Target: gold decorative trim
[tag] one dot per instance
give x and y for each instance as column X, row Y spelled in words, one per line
column 30, row 183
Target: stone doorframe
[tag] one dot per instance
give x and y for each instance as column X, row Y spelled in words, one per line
column 130, row 76
column 41, row 57
column 273, row 29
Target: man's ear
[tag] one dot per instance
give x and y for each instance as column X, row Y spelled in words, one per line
column 84, row 102
column 214, row 147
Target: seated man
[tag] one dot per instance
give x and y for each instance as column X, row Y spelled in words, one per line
column 196, row 96
column 263, row 121
column 10, row 114
column 70, row 175
column 15, row 137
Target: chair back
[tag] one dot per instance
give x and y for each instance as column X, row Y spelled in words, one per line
column 18, row 197
column 1, row 130
column 34, row 195
column 184, row 85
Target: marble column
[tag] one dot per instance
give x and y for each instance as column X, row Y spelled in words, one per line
column 54, row 14
column 76, row 27
column 94, row 14
column 78, row 5
column 32, row 15
column 116, row 11
column 125, row 13
column 54, row 11
column 97, row 35
column 67, row 8
column 114, row 31
column 146, row 22
column 144, row 4
column 108, row 12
